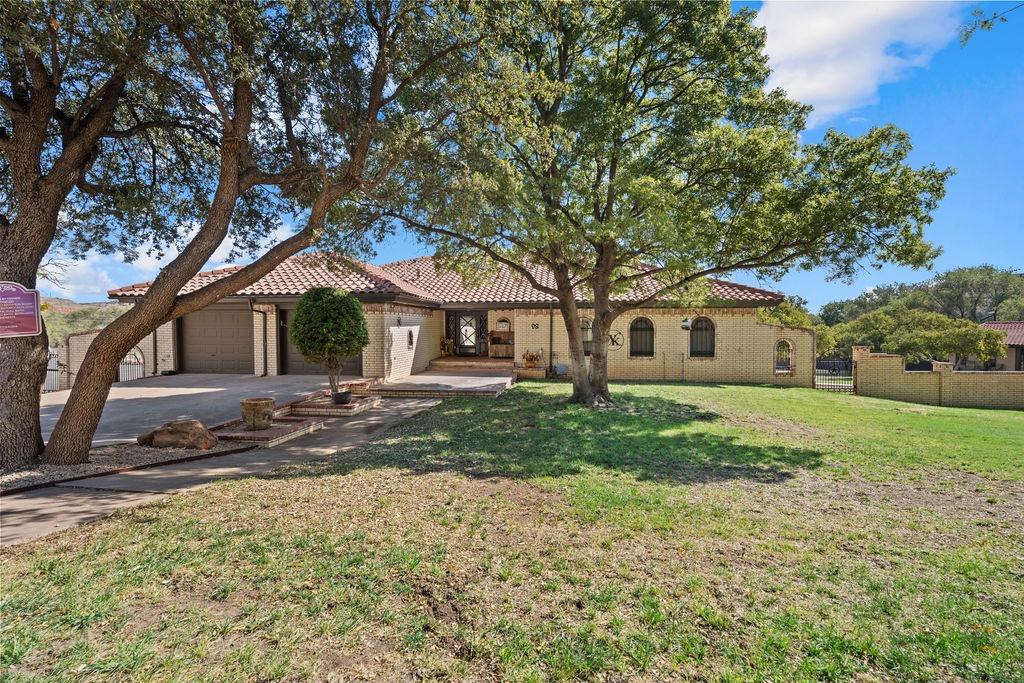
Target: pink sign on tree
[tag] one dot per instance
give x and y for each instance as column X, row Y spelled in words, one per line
column 19, row 311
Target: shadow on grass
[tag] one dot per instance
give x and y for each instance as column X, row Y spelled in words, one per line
column 528, row 433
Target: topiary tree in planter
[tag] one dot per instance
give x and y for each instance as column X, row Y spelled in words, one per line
column 328, row 326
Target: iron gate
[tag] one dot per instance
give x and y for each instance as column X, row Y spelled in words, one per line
column 52, row 373
column 132, row 366
column 834, row 374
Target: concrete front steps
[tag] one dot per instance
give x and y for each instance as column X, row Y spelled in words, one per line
column 455, row 363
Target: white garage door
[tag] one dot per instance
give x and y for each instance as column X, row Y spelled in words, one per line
column 217, row 341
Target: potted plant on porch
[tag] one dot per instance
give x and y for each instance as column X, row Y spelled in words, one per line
column 328, row 326
column 531, row 358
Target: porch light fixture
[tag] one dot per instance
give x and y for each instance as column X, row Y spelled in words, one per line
column 687, row 323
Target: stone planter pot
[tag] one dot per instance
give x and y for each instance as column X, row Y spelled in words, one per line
column 341, row 398
column 257, row 413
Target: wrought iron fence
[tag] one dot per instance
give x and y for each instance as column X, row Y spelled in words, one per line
column 132, row 366
column 52, row 382
column 834, row 374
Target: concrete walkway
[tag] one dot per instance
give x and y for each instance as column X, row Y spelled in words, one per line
column 136, row 406
column 30, row 515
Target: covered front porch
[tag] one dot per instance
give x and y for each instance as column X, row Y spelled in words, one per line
column 481, row 333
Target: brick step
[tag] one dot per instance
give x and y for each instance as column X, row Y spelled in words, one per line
column 471, row 363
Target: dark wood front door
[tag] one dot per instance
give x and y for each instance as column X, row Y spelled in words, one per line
column 469, row 331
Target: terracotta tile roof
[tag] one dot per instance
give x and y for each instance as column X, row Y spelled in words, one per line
column 420, row 279
column 508, row 286
column 1014, row 330
column 295, row 275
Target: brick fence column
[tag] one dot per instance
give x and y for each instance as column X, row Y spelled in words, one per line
column 264, row 326
column 858, row 353
column 945, row 371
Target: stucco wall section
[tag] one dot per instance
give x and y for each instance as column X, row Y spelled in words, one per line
column 882, row 375
column 744, row 346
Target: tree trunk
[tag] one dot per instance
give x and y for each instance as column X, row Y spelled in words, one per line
column 571, row 318
column 598, row 377
column 603, row 319
column 580, row 382
column 72, row 436
column 23, row 362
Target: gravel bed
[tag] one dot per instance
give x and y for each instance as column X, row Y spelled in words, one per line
column 101, row 459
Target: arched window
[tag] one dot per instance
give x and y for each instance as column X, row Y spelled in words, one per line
column 783, row 356
column 411, row 342
column 641, row 337
column 702, row 338
column 587, row 332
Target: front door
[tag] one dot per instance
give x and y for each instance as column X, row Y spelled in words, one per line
column 467, row 335
column 1020, row 359
column 469, row 331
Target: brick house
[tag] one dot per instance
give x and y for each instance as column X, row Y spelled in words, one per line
column 415, row 313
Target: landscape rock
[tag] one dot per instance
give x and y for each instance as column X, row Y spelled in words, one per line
column 179, row 434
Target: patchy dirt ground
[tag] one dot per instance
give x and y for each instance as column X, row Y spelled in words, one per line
column 477, row 542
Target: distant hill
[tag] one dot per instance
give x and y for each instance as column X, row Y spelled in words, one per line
column 64, row 317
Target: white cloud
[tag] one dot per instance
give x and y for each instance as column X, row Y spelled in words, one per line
column 83, row 280
column 835, row 55
column 90, row 279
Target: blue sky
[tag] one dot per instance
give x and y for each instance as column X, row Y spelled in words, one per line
column 860, row 64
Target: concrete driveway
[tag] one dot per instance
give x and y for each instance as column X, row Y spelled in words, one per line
column 133, row 407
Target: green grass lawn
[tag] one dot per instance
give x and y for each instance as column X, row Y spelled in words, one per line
column 691, row 532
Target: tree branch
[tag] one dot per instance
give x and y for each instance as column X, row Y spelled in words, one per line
column 476, row 244
column 422, row 68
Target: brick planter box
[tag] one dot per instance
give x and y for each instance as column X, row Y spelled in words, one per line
column 531, row 373
column 282, row 429
column 322, row 407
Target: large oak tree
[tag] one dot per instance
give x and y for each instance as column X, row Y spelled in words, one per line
column 311, row 104
column 94, row 142
column 635, row 141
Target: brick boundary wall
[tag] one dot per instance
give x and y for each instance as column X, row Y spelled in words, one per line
column 882, row 375
column 156, row 350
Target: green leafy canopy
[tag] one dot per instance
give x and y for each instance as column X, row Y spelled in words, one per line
column 978, row 293
column 921, row 335
column 645, row 129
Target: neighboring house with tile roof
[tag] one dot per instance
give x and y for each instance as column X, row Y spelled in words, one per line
column 1014, row 358
column 417, row 312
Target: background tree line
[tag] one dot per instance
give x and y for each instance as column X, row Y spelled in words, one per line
column 937, row 319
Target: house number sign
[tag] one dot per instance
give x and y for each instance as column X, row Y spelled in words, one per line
column 19, row 311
